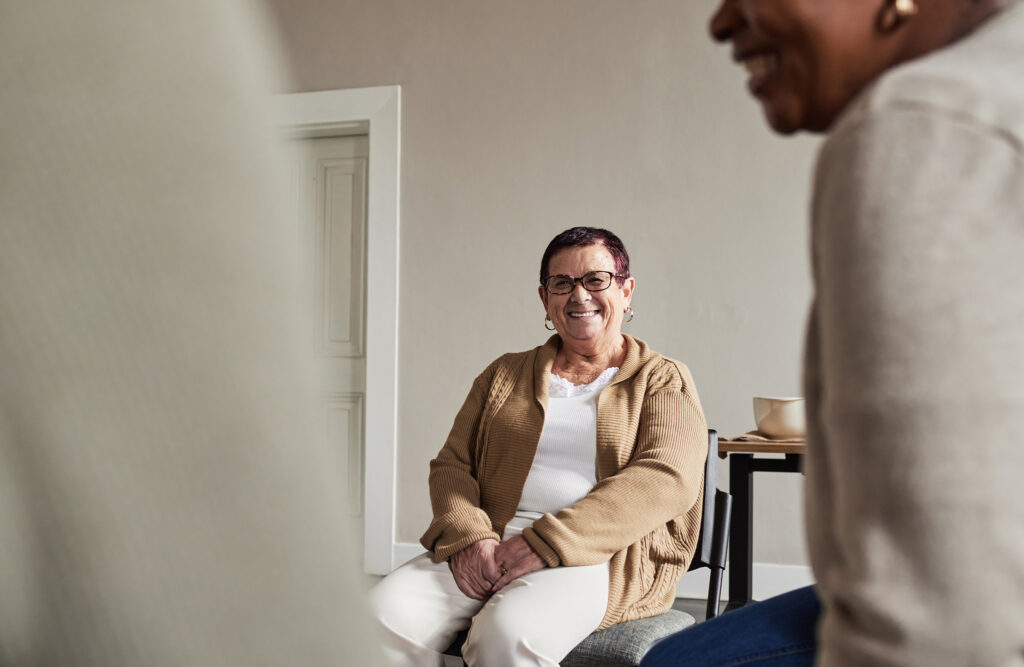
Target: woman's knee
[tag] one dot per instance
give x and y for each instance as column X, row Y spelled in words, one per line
column 385, row 602
column 493, row 634
column 502, row 635
column 778, row 631
column 420, row 603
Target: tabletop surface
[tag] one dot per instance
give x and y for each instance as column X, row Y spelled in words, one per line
column 761, row 446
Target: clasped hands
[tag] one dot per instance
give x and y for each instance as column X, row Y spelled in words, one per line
column 486, row 566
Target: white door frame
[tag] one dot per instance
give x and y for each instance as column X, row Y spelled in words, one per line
column 376, row 112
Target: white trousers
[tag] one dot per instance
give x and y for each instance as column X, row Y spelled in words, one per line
column 535, row 620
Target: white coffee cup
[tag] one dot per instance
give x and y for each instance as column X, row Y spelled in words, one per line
column 780, row 418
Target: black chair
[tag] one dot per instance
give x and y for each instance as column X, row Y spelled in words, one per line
column 625, row 644
column 713, row 548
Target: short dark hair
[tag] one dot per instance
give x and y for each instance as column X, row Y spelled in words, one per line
column 579, row 237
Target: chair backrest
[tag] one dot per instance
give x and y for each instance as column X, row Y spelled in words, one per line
column 702, row 556
column 716, row 519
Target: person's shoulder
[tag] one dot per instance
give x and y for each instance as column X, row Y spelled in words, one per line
column 517, row 359
column 513, row 362
column 974, row 81
column 513, row 358
column 672, row 373
column 662, row 372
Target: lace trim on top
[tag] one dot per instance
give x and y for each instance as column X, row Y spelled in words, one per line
column 559, row 387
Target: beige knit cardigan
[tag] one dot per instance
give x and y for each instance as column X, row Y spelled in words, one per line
column 643, row 514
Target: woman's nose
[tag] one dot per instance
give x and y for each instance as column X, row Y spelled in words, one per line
column 579, row 294
column 725, row 21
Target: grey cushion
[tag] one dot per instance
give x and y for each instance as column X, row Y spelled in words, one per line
column 625, row 644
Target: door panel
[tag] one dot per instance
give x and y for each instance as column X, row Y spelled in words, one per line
column 332, row 187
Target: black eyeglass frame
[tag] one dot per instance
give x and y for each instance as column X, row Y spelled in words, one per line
column 581, row 280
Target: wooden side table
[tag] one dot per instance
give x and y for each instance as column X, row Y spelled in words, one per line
column 743, row 463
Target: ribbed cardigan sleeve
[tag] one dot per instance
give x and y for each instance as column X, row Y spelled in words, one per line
column 641, row 487
column 454, row 491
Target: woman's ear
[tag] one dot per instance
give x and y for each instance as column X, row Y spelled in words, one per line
column 894, row 13
column 543, row 297
column 628, row 285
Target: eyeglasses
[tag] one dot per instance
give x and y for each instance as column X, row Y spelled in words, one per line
column 592, row 281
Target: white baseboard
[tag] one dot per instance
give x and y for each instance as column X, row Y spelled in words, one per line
column 769, row 578
column 405, row 551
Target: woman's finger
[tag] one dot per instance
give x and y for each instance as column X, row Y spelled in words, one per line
column 511, row 574
column 508, row 575
column 470, row 585
column 480, row 585
column 491, row 571
column 525, row 562
column 466, row 589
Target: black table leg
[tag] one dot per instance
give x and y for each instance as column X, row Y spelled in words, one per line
column 741, row 553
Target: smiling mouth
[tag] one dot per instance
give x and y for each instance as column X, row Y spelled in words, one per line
column 582, row 314
column 761, row 67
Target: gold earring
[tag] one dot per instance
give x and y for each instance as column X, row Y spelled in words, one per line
column 905, row 8
column 895, row 13
column 546, row 320
column 628, row 311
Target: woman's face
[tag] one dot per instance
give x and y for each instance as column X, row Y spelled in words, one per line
column 586, row 321
column 806, row 59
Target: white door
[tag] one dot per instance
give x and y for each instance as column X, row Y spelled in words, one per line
column 331, row 195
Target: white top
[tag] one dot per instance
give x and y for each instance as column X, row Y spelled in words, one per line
column 564, row 468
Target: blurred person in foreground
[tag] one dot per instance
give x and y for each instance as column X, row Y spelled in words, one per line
column 163, row 501
column 566, row 498
column 914, row 369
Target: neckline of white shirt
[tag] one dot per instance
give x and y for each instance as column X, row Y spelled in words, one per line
column 559, row 387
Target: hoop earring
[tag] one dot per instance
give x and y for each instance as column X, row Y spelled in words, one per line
column 628, row 311
column 895, row 13
column 546, row 320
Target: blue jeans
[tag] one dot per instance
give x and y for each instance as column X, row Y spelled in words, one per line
column 779, row 632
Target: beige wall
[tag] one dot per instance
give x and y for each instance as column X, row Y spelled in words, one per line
column 521, row 118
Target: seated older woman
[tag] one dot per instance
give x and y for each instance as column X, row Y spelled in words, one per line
column 565, row 498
